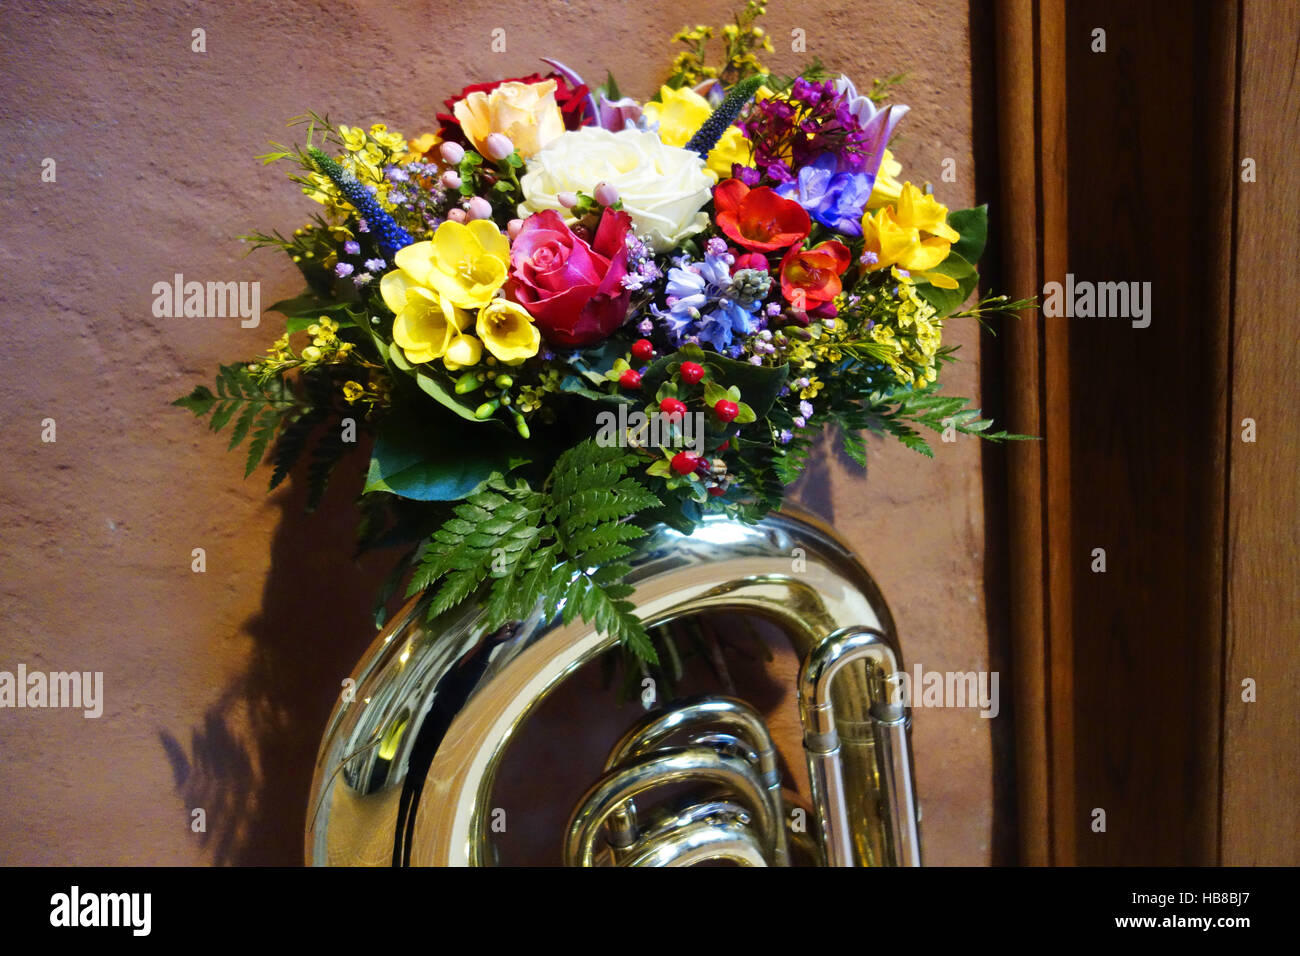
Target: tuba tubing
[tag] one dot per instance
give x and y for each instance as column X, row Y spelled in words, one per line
column 408, row 761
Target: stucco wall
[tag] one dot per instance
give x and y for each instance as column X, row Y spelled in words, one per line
column 217, row 685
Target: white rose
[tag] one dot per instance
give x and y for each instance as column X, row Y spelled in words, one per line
column 662, row 187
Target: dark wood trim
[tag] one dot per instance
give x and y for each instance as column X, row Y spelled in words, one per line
column 1031, row 134
column 1119, row 166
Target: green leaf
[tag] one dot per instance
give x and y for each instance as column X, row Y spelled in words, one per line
column 340, row 312
column 199, row 401
column 758, row 384
column 410, row 461
column 973, row 226
column 947, row 301
column 441, row 395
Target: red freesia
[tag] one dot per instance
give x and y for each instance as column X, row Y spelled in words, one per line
column 572, row 290
column 572, row 102
column 758, row 219
column 811, row 277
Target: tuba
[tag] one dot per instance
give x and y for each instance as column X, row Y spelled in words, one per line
column 408, row 767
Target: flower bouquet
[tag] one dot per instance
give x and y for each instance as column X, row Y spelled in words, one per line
column 567, row 316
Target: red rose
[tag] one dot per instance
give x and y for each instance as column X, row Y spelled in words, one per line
column 573, row 290
column 811, row 277
column 572, row 102
column 758, row 219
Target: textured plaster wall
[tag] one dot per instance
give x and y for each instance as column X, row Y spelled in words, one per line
column 217, row 685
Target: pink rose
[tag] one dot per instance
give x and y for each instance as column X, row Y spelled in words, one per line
column 572, row 290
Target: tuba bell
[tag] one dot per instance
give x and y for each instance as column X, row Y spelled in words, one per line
column 409, row 761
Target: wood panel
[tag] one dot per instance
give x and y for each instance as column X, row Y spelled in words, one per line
column 1032, row 221
column 1261, row 739
column 1117, row 167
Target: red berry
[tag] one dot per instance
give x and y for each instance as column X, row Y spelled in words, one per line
column 643, row 350
column 630, row 379
column 692, row 372
column 684, row 463
column 672, row 407
column 726, row 410
column 724, row 446
column 717, row 491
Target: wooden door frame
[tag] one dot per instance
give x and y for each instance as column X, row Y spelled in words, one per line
column 1185, row 771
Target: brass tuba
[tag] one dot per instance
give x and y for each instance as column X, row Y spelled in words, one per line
column 409, row 760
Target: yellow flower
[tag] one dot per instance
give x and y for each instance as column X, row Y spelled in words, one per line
column 353, row 391
column 426, row 323
column 507, row 330
column 525, row 112
column 681, row 112
column 464, row 351
column 912, row 233
column 354, row 139
column 421, row 145
column 464, row 263
column 887, row 189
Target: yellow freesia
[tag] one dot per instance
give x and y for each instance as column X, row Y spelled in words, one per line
column 464, row 351
column 507, row 330
column 681, row 112
column 426, row 322
column 912, row 233
column 886, row 189
column 465, row 263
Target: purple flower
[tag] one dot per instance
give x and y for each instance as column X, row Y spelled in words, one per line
column 343, row 270
column 806, row 409
column 835, row 199
column 617, row 115
column 376, row 265
column 706, row 303
column 352, row 247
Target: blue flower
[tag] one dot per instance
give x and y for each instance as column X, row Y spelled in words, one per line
column 707, row 304
column 834, row 199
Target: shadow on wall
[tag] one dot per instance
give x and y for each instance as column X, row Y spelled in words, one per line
column 249, row 765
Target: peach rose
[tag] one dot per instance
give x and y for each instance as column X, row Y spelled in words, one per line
column 525, row 112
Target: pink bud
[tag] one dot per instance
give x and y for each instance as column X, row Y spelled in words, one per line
column 456, row 215
column 606, row 194
column 567, row 200
column 513, row 227
column 479, row 208
column 498, row 146
column 452, row 152
column 451, row 178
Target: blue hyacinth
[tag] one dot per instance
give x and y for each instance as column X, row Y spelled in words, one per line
column 388, row 233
